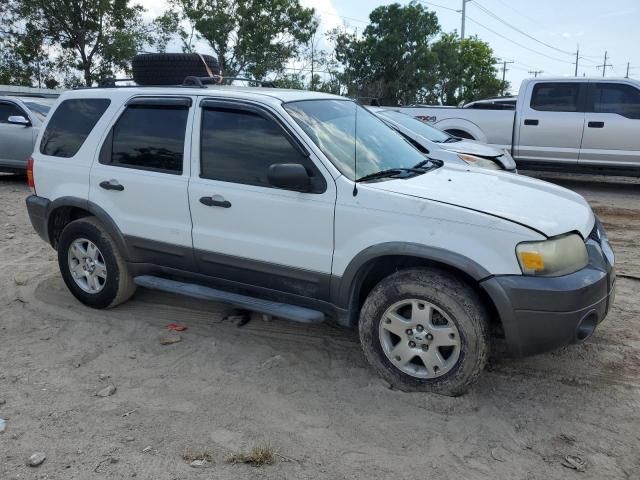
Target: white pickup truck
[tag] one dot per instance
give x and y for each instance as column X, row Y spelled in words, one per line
column 567, row 124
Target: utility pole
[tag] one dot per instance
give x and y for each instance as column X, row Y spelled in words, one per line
column 604, row 65
column 504, row 72
column 577, row 58
column 464, row 15
column 535, row 73
column 627, row 75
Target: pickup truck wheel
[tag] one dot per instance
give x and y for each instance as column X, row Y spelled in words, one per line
column 425, row 330
column 91, row 265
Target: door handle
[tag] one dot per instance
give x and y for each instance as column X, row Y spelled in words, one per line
column 595, row 124
column 112, row 185
column 530, row 121
column 216, row 201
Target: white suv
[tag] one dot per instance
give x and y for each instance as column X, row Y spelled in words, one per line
column 247, row 195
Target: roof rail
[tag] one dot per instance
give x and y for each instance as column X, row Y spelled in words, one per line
column 110, row 82
column 200, row 82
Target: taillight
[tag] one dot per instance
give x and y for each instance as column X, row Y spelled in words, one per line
column 30, row 182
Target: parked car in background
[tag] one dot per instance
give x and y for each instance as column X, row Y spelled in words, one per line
column 442, row 146
column 566, row 124
column 20, row 121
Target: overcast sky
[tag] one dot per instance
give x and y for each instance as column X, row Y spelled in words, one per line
column 560, row 24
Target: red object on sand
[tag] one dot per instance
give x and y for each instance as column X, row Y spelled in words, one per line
column 176, row 327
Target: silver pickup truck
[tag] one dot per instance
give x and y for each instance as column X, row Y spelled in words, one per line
column 566, row 124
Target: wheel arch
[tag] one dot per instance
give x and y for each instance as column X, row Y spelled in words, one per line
column 64, row 210
column 473, row 131
column 373, row 264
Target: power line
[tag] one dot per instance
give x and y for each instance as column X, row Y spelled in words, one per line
column 489, row 12
column 516, row 43
column 441, row 6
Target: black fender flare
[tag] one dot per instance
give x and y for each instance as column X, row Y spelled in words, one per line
column 345, row 288
column 98, row 212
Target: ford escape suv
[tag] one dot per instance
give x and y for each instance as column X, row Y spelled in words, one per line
column 306, row 206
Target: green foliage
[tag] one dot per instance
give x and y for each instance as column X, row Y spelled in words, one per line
column 392, row 60
column 465, row 71
column 95, row 38
column 250, row 37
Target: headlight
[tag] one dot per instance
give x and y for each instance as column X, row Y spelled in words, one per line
column 479, row 161
column 554, row 257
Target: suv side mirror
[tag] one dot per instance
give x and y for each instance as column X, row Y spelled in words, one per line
column 292, row 176
column 18, row 120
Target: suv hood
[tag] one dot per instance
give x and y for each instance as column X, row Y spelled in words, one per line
column 542, row 206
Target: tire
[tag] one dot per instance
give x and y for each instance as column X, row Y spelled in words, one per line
column 116, row 287
column 458, row 316
column 170, row 68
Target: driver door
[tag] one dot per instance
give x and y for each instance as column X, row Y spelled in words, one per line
column 244, row 229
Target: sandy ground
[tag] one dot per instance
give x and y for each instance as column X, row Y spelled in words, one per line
column 305, row 391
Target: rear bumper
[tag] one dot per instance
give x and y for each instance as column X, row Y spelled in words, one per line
column 38, row 208
column 541, row 314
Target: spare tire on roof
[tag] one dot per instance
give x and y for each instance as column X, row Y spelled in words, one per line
column 171, row 68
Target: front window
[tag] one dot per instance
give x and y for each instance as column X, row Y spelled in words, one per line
column 417, row 126
column 331, row 124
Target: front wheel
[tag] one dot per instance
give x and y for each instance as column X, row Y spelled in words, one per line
column 91, row 265
column 425, row 330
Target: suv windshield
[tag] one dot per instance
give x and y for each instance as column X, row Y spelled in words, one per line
column 417, row 126
column 39, row 108
column 331, row 124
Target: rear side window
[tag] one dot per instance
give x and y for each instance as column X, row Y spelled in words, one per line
column 148, row 137
column 7, row 110
column 556, row 97
column 239, row 146
column 70, row 125
column 617, row 98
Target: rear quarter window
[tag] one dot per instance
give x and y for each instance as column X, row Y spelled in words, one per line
column 70, row 125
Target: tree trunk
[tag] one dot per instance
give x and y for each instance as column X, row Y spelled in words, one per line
column 87, row 74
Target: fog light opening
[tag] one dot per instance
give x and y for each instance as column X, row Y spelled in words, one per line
column 587, row 326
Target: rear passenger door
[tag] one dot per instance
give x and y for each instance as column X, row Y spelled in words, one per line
column 244, row 229
column 141, row 176
column 550, row 127
column 612, row 131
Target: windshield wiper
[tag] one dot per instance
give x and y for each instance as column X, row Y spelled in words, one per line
column 389, row 173
column 452, row 139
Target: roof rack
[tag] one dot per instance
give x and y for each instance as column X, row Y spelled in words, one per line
column 190, row 81
column 200, row 82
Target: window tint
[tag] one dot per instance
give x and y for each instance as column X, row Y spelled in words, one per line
column 149, row 138
column 617, row 98
column 239, row 146
column 555, row 97
column 70, row 125
column 9, row 110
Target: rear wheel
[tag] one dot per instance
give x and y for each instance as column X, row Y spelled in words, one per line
column 425, row 330
column 91, row 265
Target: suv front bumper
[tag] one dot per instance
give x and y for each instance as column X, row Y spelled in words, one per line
column 543, row 313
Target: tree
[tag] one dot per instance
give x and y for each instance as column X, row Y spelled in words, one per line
column 253, row 37
column 93, row 37
column 393, row 60
column 465, row 70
